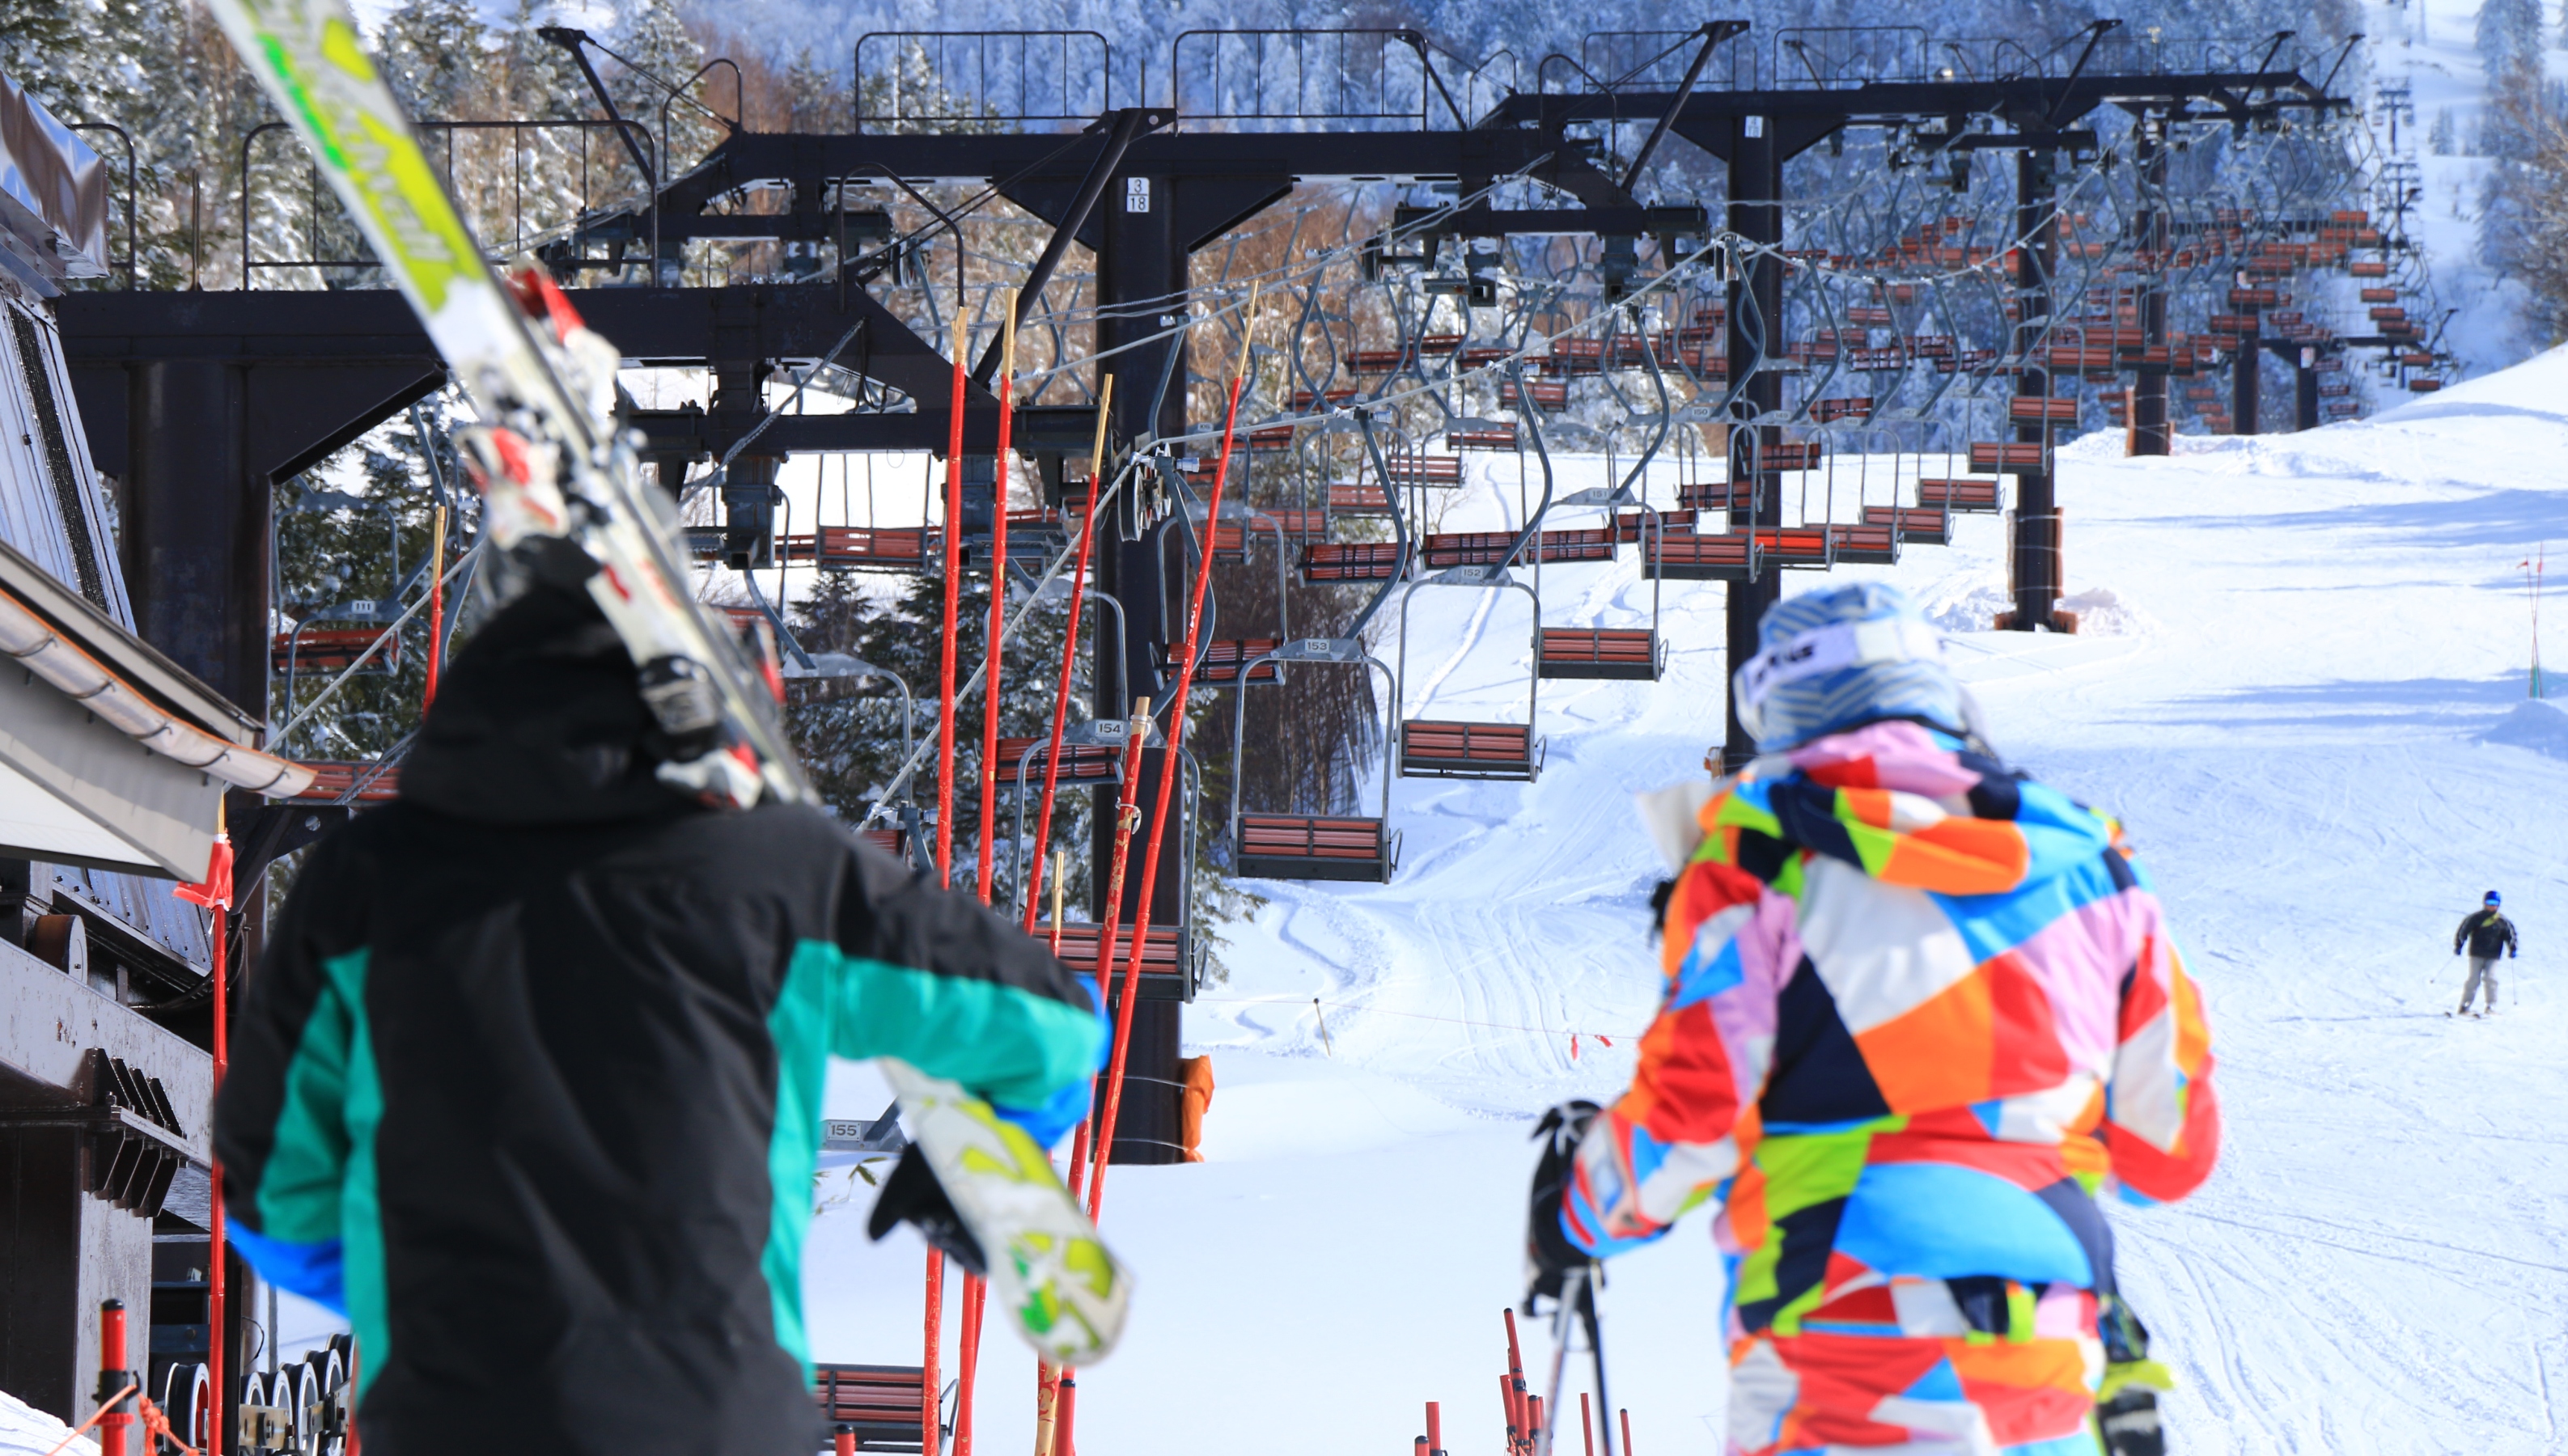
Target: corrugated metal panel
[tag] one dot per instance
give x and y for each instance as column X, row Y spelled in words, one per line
column 52, row 507
column 146, row 905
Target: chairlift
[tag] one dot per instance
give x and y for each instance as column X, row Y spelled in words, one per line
column 1172, row 956
column 1620, row 653
column 332, row 636
column 1280, row 846
column 1226, row 662
column 1456, row 748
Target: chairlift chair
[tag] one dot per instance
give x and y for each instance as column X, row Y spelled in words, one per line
column 1619, row 654
column 1283, row 846
column 1456, row 748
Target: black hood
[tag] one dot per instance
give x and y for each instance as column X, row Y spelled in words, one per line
column 540, row 721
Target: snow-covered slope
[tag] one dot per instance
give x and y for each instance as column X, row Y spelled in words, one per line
column 27, row 1431
column 2313, row 636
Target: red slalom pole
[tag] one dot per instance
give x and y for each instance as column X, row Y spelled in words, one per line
column 976, row 1293
column 1434, row 1428
column 1168, row 764
column 1127, row 815
column 1069, row 660
column 954, row 604
column 1586, row 1424
column 975, row 1290
column 1627, row 1431
column 115, row 1381
column 215, row 894
column 928, row 1384
column 990, row 685
column 435, row 610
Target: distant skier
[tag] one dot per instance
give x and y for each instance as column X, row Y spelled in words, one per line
column 2486, row 932
column 1919, row 1009
column 529, row 1080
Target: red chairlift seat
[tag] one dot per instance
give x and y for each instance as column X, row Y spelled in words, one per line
column 1488, row 548
column 1325, row 562
column 1685, row 556
column 2080, row 358
column 1223, row 658
column 1501, row 438
column 893, row 842
column 1717, row 494
column 1439, row 748
column 2377, row 295
column 2040, row 410
column 1844, row 407
column 1304, row 401
column 1789, row 455
column 1168, row 969
column 1957, row 493
column 1315, row 847
column 850, row 548
column 1864, row 544
column 1547, row 394
column 2369, row 269
column 1629, row 524
column 1622, row 654
column 333, row 777
column 1930, row 526
column 2423, row 385
column 1271, row 438
column 1422, row 469
column 2009, row 457
column 1080, row 762
column 333, row 649
column 1355, row 497
column 886, row 1406
column 1798, row 546
column 1294, row 520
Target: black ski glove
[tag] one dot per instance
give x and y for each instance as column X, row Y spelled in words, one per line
column 913, row 1195
column 1550, row 1256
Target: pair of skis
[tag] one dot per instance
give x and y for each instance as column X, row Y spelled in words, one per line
column 563, row 492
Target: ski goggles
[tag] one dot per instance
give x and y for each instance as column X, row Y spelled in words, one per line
column 1824, row 649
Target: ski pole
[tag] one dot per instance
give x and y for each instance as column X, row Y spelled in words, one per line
column 1596, row 1349
column 1572, row 1290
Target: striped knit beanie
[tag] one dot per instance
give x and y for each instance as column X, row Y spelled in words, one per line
column 1837, row 658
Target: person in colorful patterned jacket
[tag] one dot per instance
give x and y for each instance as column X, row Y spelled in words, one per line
column 529, row 1080
column 1920, row 1010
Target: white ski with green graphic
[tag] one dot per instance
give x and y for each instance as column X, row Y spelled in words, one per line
column 552, row 464
column 1048, row 1267
column 546, row 452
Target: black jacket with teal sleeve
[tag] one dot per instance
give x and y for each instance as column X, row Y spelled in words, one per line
column 535, row 1059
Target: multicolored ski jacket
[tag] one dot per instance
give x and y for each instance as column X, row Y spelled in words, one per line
column 535, row 1059
column 1918, row 1008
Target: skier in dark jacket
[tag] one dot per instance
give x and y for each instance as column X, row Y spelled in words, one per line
column 2487, row 933
column 530, row 1075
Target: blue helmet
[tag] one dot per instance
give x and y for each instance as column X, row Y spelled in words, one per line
column 1842, row 657
column 2493, row 898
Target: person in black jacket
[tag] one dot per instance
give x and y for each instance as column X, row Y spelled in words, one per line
column 529, row 1080
column 2488, row 932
